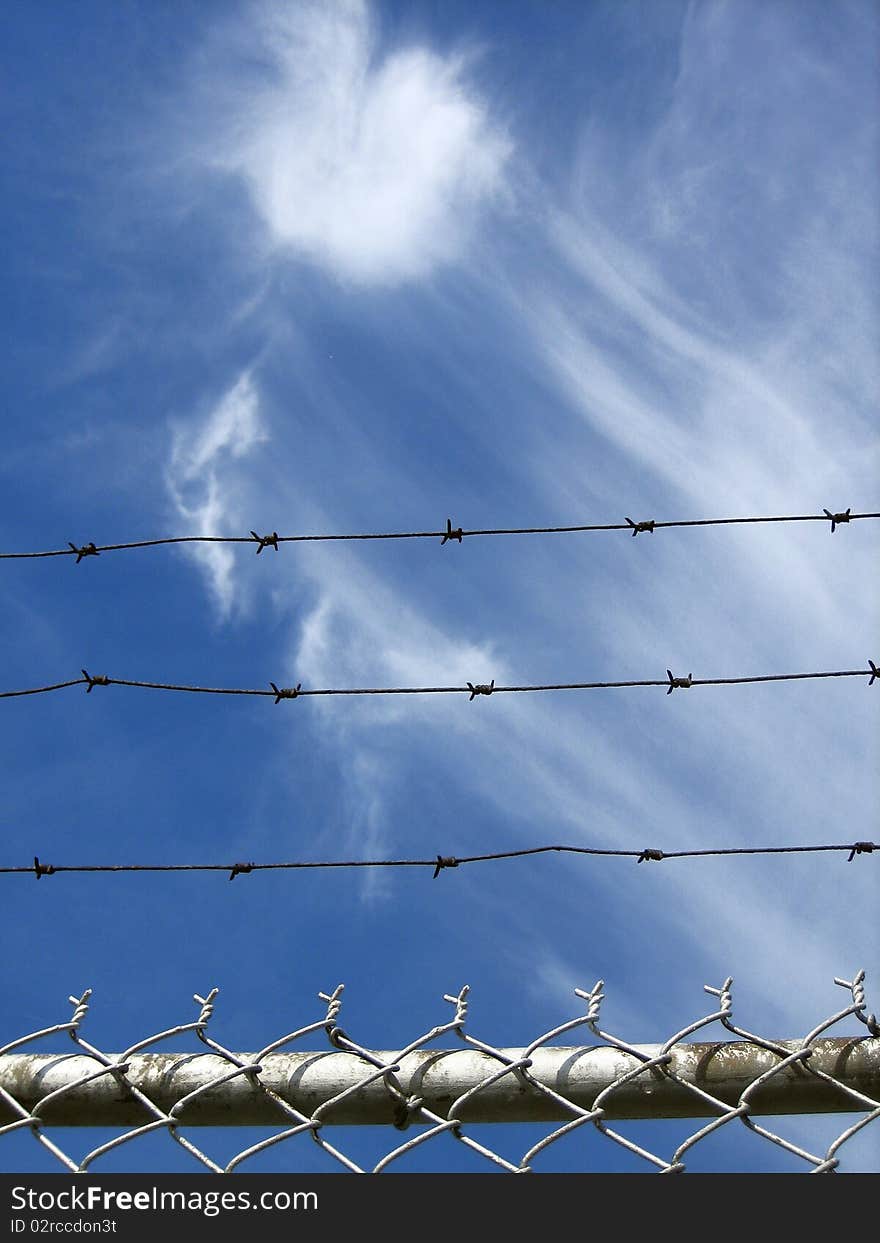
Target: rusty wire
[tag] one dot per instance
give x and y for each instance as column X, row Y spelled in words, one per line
column 431, row 1091
column 272, row 540
column 472, row 690
column 440, row 862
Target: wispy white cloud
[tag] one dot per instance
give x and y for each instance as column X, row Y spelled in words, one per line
column 363, row 632
column 714, row 421
column 367, row 836
column 371, row 164
column 203, row 483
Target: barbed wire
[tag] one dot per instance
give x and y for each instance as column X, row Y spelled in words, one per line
column 440, row 862
column 471, row 689
column 451, row 534
column 433, row 1091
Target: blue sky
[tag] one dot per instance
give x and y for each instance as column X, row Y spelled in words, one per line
column 349, row 267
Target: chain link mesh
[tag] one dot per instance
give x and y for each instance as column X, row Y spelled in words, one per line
column 767, row 1065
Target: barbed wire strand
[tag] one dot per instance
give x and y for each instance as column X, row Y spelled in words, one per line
column 450, row 534
column 471, row 689
column 441, row 862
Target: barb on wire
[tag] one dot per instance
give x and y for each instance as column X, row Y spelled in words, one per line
column 451, row 533
column 441, row 862
column 266, row 541
column 86, row 550
column 678, row 683
column 837, row 519
column 100, row 680
column 861, row 848
column 286, row 692
column 471, row 689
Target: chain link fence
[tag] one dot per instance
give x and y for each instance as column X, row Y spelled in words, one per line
column 426, row 1090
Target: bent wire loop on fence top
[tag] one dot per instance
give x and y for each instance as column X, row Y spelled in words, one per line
column 451, row 534
column 431, row 1091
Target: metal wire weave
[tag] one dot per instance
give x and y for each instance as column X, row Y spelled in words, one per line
column 505, row 1082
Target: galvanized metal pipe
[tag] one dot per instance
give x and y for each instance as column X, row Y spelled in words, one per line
column 439, row 1077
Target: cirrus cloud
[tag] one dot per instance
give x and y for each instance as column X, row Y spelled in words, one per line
column 201, row 479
